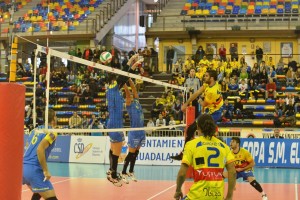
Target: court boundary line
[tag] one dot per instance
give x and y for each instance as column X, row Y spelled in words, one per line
column 296, row 188
column 161, row 192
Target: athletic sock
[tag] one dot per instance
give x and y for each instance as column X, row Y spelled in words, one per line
column 36, row 196
column 132, row 162
column 110, row 159
column 257, row 186
column 114, row 166
column 127, row 161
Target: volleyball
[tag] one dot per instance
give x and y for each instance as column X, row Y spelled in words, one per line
column 105, row 57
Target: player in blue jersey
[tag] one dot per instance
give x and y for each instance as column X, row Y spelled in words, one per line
column 135, row 138
column 115, row 108
column 36, row 174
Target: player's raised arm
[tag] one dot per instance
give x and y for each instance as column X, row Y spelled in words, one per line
column 133, row 89
column 127, row 93
column 192, row 98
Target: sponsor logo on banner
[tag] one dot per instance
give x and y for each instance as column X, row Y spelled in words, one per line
column 157, row 151
column 87, row 149
column 61, row 150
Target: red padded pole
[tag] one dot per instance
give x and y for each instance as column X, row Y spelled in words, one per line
column 12, row 104
column 190, row 118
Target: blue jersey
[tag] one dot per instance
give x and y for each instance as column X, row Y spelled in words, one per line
column 136, row 114
column 115, row 103
column 34, row 139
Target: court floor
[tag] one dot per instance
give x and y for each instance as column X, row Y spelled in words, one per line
column 73, row 181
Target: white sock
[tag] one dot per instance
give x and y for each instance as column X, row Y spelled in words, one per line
column 263, row 193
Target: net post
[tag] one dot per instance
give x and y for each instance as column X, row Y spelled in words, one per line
column 34, row 88
column 48, row 51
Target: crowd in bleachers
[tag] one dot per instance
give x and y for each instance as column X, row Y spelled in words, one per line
column 240, row 82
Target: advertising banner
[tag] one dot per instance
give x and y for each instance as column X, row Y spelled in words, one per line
column 61, row 150
column 156, row 151
column 87, row 149
column 274, row 152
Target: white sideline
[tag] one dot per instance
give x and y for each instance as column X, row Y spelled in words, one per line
column 161, row 192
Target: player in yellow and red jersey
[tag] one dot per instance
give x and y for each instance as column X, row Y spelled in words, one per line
column 244, row 164
column 208, row 156
column 211, row 104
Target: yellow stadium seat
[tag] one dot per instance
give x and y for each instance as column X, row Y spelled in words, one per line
column 265, row 11
column 251, row 7
column 75, row 23
column 188, row 5
column 298, row 115
column 64, row 28
column 259, row 3
column 228, row 7
column 257, row 122
column 81, row 12
column 298, row 123
column 215, row 8
column 56, row 4
column 269, row 107
column 24, row 3
column 224, row 1
column 33, row 19
column 294, row 6
column 92, row 9
column 205, row 12
column 272, row 11
column 191, row 12
column 251, row 101
column 261, row 101
column 66, row 1
column 30, row 11
column 266, row 3
column 198, row 12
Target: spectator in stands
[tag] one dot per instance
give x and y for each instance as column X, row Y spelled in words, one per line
column 154, row 60
column 209, row 52
column 280, row 67
column 290, row 76
column 160, row 121
column 238, row 108
column 193, row 84
column 277, row 134
column 263, row 76
column 224, row 89
column 172, row 122
column 150, row 123
column 170, row 99
column 243, row 89
column 157, row 107
column 289, row 98
column 270, row 62
column 205, row 62
column 227, row 111
column 293, row 64
column 272, row 74
column 271, row 89
column 85, row 122
column 176, row 110
column 96, row 55
column 132, row 52
column 199, row 54
column 222, row 52
column 177, row 69
column 180, row 79
column 259, row 55
column 188, row 64
column 76, row 99
column 115, row 63
column 261, row 87
column 88, row 53
column 75, row 121
column 115, row 53
column 289, row 109
column 233, row 52
column 280, row 107
column 92, row 122
column 254, row 75
column 146, row 54
column 252, row 89
column 263, row 66
column 233, row 87
column 297, row 102
column 297, row 77
column 170, row 58
column 244, row 75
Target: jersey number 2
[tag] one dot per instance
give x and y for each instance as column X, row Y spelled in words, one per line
column 213, row 155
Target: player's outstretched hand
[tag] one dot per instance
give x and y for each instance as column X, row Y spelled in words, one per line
column 178, row 195
column 47, row 175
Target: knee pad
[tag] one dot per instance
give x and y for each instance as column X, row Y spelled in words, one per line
column 52, row 198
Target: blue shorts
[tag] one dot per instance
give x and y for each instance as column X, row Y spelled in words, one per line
column 136, row 139
column 217, row 115
column 116, row 137
column 33, row 176
column 244, row 175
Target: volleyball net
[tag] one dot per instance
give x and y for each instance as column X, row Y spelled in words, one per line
column 92, row 106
